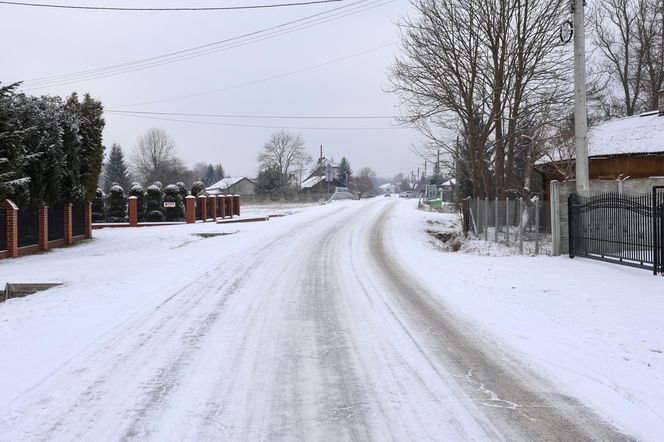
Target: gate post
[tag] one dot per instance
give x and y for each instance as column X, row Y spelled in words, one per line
column 555, row 218
column 88, row 219
column 68, row 234
column 133, row 211
column 43, row 228
column 570, row 219
column 213, row 207
column 202, row 200
column 190, row 208
column 12, row 228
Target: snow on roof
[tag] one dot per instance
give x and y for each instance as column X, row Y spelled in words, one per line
column 312, row 181
column 640, row 134
column 450, row 182
column 225, row 183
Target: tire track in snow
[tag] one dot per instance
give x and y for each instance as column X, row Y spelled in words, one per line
column 520, row 404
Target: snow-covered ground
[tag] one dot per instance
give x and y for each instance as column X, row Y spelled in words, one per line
column 593, row 329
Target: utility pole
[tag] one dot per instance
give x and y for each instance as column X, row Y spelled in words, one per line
column 580, row 109
column 438, row 170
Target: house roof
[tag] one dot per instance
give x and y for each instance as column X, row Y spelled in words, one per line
column 641, row 134
column 227, row 182
column 631, row 135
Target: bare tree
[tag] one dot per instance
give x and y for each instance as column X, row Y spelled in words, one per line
column 482, row 71
column 286, row 152
column 616, row 26
column 154, row 158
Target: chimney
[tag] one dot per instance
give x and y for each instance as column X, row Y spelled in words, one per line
column 660, row 101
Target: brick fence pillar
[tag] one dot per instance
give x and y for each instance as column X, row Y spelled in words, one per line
column 190, row 208
column 68, row 233
column 236, row 204
column 229, row 205
column 222, row 206
column 88, row 219
column 213, row 207
column 12, row 227
column 202, row 200
column 43, row 228
column 133, row 211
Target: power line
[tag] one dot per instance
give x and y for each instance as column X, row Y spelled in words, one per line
column 251, row 83
column 181, row 9
column 229, row 43
column 265, row 117
column 256, row 126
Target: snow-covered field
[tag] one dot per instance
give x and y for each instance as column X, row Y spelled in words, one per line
column 594, row 330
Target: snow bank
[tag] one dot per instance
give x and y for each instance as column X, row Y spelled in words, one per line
column 595, row 329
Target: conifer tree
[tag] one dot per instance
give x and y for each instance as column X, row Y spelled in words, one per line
column 116, row 169
column 345, row 171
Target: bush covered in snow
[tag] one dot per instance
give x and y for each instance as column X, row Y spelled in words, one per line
column 137, row 190
column 183, row 189
column 117, row 204
column 155, row 204
column 197, row 188
column 172, row 195
column 98, row 215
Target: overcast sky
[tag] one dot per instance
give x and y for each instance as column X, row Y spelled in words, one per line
column 47, row 42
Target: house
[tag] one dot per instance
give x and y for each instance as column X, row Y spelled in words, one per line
column 315, row 182
column 631, row 147
column 233, row 186
column 449, row 188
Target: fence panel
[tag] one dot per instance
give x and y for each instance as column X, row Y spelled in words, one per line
column 208, row 210
column 3, row 229
column 198, row 210
column 56, row 223
column 78, row 219
column 28, row 226
column 500, row 221
column 613, row 227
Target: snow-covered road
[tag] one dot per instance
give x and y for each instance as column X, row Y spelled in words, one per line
column 313, row 332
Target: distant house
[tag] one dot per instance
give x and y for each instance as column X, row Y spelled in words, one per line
column 449, row 187
column 387, row 188
column 631, row 147
column 315, row 182
column 233, row 186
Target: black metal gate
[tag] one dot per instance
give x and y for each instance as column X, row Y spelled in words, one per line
column 627, row 230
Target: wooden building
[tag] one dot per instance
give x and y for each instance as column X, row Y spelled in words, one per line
column 625, row 148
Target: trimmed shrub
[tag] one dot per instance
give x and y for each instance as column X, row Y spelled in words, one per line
column 158, row 184
column 183, row 190
column 98, row 215
column 197, row 188
column 155, row 204
column 116, row 201
column 172, row 195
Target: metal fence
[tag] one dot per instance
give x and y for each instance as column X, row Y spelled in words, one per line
column 619, row 228
column 78, row 219
column 28, row 226
column 3, row 229
column 512, row 222
column 56, row 223
column 208, row 210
